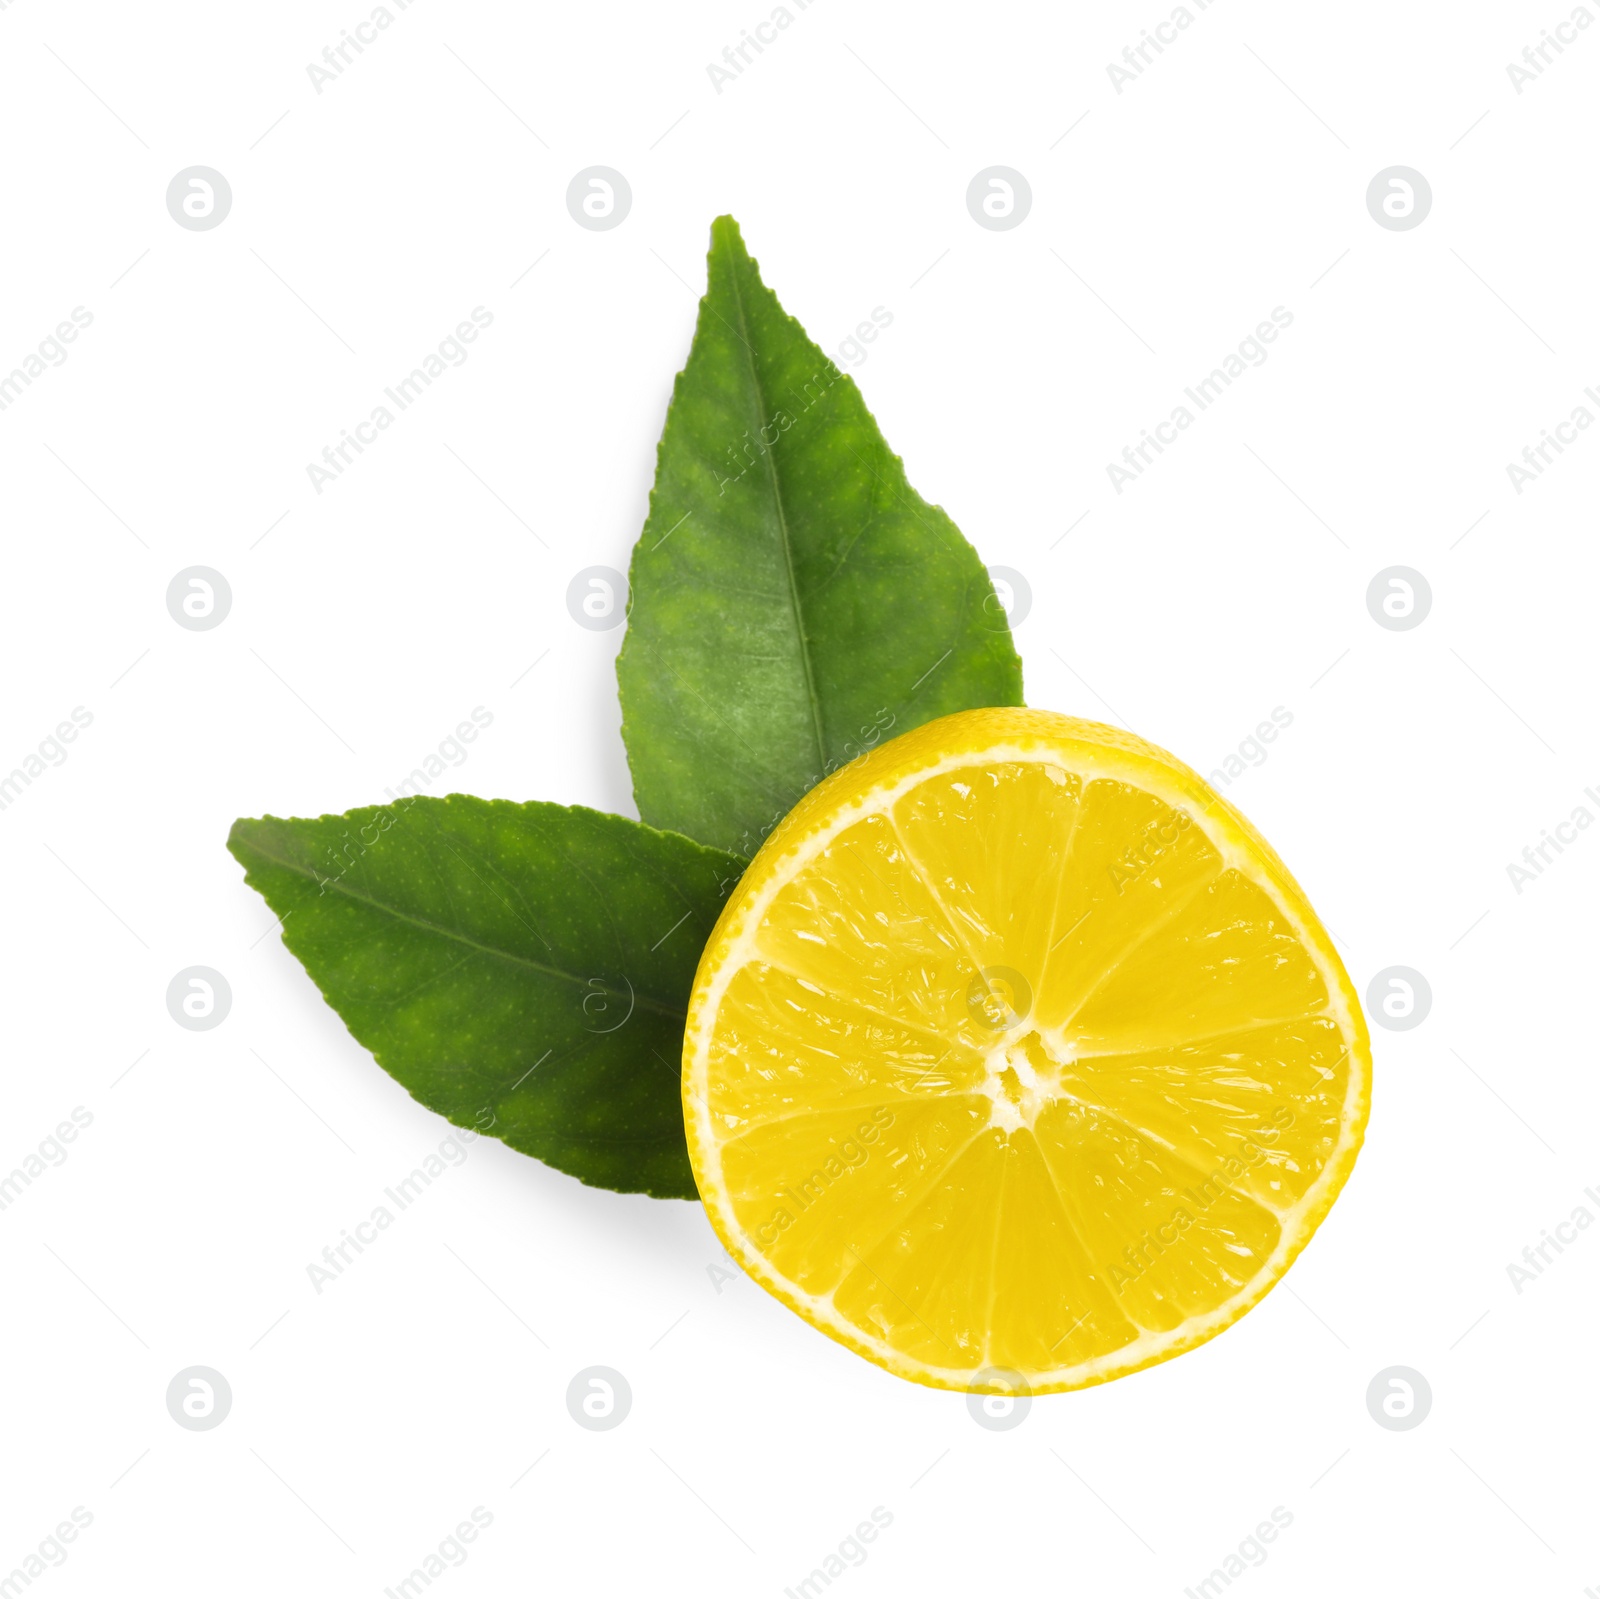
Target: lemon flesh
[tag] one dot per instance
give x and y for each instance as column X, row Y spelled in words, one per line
column 1018, row 1052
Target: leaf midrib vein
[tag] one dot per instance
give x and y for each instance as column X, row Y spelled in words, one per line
column 783, row 526
column 677, row 1013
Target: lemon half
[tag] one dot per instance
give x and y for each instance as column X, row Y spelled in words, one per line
column 1018, row 1053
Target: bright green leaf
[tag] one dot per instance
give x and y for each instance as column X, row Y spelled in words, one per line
column 794, row 600
column 529, row 963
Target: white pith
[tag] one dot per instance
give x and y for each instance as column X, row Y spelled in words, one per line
column 1017, row 1088
column 1016, row 1103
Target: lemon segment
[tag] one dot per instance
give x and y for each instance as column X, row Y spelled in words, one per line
column 1018, row 1049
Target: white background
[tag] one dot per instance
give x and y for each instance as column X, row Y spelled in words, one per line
column 367, row 621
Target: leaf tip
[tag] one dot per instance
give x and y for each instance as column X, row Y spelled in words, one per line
column 239, row 835
column 725, row 234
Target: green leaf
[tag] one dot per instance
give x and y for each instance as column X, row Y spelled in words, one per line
column 529, row 963
column 794, row 600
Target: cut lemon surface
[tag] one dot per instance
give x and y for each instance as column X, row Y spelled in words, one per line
column 1018, row 1052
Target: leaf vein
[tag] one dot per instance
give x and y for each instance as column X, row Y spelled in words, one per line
column 648, row 1002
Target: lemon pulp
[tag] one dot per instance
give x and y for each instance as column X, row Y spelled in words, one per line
column 1017, row 1050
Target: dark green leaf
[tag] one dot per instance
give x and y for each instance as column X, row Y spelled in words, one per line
column 529, row 963
column 794, row 600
